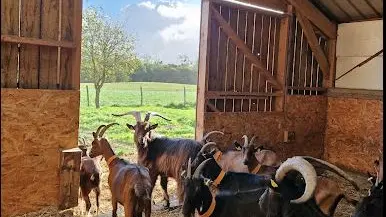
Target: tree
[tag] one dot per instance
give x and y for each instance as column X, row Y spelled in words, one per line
column 107, row 50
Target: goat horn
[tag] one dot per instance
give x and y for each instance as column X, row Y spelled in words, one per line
column 136, row 114
column 150, row 114
column 333, row 169
column 97, row 132
column 189, row 172
column 245, row 137
column 210, row 133
column 107, row 127
column 252, row 140
column 305, row 169
column 207, row 146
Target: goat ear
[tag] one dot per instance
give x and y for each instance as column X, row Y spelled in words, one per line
column 152, row 127
column 131, row 127
column 237, row 146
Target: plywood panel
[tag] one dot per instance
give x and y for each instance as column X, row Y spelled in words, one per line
column 354, row 132
column 306, row 116
column 35, row 125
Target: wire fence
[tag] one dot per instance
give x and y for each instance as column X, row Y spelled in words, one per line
column 140, row 94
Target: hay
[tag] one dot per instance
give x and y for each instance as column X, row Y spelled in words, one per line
column 50, row 211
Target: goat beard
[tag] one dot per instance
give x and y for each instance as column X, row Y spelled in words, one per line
column 146, row 139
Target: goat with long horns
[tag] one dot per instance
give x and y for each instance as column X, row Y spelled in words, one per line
column 165, row 157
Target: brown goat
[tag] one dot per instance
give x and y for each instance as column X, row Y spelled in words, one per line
column 163, row 156
column 129, row 183
column 90, row 173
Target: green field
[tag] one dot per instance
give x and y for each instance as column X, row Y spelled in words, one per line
column 164, row 98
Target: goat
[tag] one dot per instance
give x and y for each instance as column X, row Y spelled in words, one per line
column 372, row 204
column 90, row 174
column 327, row 194
column 214, row 192
column 161, row 155
column 129, row 183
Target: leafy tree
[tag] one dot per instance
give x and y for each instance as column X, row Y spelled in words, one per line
column 107, row 50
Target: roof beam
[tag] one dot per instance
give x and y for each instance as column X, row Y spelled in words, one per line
column 314, row 44
column 309, row 11
column 244, row 48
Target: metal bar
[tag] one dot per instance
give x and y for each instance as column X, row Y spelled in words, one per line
column 308, row 88
column 245, row 41
column 305, row 70
column 253, row 49
column 234, row 76
column 361, row 64
column 230, row 93
column 260, row 50
column 218, row 53
column 226, row 62
column 312, row 71
column 317, row 69
column 300, row 58
column 273, row 59
column 268, row 57
column 294, row 55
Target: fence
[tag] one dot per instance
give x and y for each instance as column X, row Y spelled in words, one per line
column 116, row 94
column 40, row 44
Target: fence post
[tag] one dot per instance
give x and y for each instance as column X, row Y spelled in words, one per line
column 88, row 99
column 184, row 96
column 141, row 96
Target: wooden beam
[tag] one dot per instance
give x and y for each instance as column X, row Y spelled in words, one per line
column 247, row 94
column 243, row 47
column 314, row 44
column 308, row 10
column 267, row 4
column 76, row 54
column 282, row 57
column 203, row 64
column 35, row 41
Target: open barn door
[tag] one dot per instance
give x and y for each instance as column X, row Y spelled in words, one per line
column 240, row 66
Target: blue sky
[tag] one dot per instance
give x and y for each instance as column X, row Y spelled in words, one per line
column 164, row 29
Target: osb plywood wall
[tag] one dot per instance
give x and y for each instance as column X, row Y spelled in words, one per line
column 306, row 116
column 353, row 132
column 35, row 125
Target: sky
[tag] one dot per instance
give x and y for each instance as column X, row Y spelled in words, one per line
column 164, row 29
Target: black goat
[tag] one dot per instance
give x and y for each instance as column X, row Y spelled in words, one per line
column 372, row 205
column 213, row 192
column 163, row 156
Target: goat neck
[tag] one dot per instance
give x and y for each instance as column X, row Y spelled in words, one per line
column 108, row 153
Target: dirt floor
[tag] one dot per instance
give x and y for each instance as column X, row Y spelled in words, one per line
column 344, row 209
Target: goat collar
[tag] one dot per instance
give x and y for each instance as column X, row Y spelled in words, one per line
column 111, row 159
column 256, row 170
column 217, row 156
column 211, row 207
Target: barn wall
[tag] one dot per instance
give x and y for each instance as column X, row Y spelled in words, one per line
column 35, row 126
column 354, row 128
column 306, row 117
column 355, row 43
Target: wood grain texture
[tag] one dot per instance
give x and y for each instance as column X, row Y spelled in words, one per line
column 35, row 126
column 66, row 59
column 306, row 116
column 29, row 54
column 9, row 52
column 353, row 132
column 48, row 55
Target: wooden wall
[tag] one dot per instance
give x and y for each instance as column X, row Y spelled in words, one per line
column 354, row 130
column 35, row 126
column 306, row 116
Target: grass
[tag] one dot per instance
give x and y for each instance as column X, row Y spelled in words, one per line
column 166, row 99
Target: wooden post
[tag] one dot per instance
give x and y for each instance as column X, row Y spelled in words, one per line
column 184, row 96
column 69, row 178
column 141, row 96
column 88, row 98
column 282, row 59
column 203, row 66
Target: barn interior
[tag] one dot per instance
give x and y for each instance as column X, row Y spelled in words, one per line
column 305, row 76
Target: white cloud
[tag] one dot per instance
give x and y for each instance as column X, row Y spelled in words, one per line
column 147, row 4
column 189, row 25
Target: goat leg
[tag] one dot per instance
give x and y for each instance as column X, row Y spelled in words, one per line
column 129, row 205
column 115, row 207
column 164, row 185
column 97, row 193
column 147, row 204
